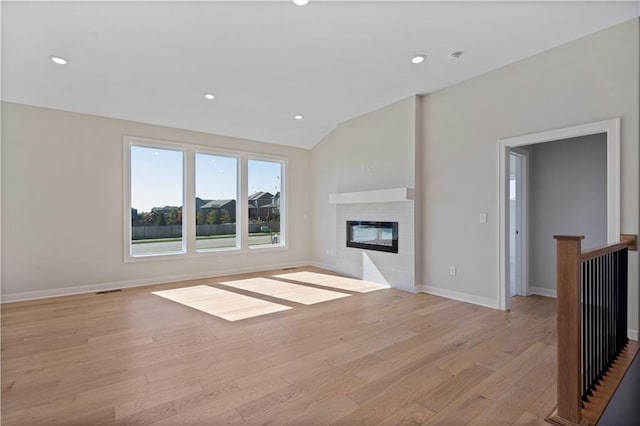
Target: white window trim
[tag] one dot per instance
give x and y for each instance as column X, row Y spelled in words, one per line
column 192, row 197
column 188, row 226
column 149, row 143
column 284, row 217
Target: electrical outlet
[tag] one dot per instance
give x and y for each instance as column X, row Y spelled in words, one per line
column 483, row 218
column 452, row 271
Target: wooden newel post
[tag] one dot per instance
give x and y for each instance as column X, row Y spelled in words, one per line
column 569, row 328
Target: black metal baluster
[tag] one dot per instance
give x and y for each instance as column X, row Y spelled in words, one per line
column 605, row 314
column 610, row 285
column 583, row 281
column 599, row 326
column 592, row 326
column 621, row 302
column 623, row 287
column 603, row 278
column 614, row 281
column 612, row 312
column 616, row 297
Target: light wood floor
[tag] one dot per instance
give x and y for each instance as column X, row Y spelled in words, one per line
column 384, row 357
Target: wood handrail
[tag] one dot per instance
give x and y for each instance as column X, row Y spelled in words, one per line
column 609, row 248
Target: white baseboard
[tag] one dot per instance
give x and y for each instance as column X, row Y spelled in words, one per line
column 92, row 288
column 457, row 295
column 632, row 334
column 321, row 265
column 541, row 291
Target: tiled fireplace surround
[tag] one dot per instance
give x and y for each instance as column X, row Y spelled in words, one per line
column 394, row 269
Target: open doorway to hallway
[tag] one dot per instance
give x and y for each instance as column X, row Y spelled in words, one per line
column 555, row 188
column 569, row 182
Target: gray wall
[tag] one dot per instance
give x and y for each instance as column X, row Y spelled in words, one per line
column 567, row 196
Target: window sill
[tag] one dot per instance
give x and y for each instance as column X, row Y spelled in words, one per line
column 279, row 246
column 233, row 251
column 155, row 257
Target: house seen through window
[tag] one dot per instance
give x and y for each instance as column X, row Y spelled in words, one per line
column 216, row 195
column 162, row 223
column 265, row 190
column 156, row 201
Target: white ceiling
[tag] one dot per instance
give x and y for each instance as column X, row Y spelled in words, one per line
column 267, row 61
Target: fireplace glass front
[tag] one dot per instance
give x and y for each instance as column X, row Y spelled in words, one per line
column 380, row 236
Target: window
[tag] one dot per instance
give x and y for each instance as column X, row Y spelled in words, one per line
column 215, row 207
column 157, row 194
column 185, row 200
column 265, row 202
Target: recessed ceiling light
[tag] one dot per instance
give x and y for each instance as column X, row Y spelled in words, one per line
column 301, row 2
column 209, row 96
column 455, row 55
column 418, row 59
column 298, row 116
column 58, row 60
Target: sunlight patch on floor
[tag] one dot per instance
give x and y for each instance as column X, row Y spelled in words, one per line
column 281, row 290
column 220, row 303
column 325, row 280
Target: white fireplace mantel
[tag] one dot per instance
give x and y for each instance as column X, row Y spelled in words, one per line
column 377, row 196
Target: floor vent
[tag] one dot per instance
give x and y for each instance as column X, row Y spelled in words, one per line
column 109, row 291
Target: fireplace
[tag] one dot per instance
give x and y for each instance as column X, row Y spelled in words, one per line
column 380, row 236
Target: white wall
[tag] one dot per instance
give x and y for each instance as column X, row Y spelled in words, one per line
column 324, row 181
column 590, row 79
column 62, row 174
column 386, row 140
column 567, row 196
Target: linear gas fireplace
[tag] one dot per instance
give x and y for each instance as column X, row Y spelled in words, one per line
column 380, row 236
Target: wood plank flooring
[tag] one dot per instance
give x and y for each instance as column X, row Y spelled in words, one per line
column 382, row 357
column 223, row 304
column 286, row 291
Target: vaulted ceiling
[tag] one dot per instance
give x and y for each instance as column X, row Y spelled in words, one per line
column 267, row 61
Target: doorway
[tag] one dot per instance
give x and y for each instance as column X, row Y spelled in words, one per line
column 518, row 224
column 611, row 128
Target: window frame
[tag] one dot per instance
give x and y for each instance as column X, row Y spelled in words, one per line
column 283, row 200
column 239, row 239
column 189, row 151
column 128, row 231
